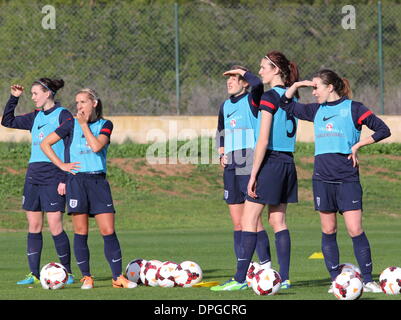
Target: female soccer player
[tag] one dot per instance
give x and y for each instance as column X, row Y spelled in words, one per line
column 44, row 187
column 88, row 192
column 338, row 121
column 273, row 180
column 237, row 123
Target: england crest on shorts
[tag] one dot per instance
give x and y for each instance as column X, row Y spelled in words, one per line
column 73, row 203
column 225, row 194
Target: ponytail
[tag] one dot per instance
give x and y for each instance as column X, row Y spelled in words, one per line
column 293, row 76
column 52, row 85
column 346, row 91
column 288, row 69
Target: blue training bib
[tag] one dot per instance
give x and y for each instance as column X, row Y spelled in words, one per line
column 43, row 125
column 81, row 152
column 283, row 129
column 239, row 125
column 334, row 128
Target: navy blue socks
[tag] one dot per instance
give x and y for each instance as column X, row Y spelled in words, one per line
column 263, row 247
column 81, row 251
column 62, row 244
column 248, row 245
column 34, row 251
column 363, row 256
column 112, row 251
column 283, row 248
column 331, row 254
column 237, row 243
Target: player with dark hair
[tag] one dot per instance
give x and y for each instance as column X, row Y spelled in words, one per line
column 44, row 189
column 237, row 122
column 338, row 122
column 273, row 179
column 88, row 191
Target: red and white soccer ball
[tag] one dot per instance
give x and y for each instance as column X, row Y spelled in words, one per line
column 266, row 282
column 53, row 276
column 347, row 286
column 253, row 268
column 390, row 280
column 194, row 269
column 183, row 277
column 350, row 267
column 165, row 274
column 133, row 270
column 148, row 273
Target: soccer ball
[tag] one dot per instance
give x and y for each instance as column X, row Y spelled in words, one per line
column 266, row 282
column 390, row 280
column 53, row 276
column 148, row 273
column 254, row 267
column 165, row 274
column 183, row 277
column 194, row 268
column 350, row 267
column 347, row 286
column 133, row 270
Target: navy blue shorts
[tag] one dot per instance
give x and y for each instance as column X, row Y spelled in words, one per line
column 38, row 197
column 276, row 183
column 337, row 197
column 89, row 193
column 235, row 186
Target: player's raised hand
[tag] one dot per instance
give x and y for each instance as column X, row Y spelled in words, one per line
column 17, row 90
column 234, row 71
column 305, row 83
column 82, row 117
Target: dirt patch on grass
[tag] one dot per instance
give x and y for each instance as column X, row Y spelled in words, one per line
column 148, row 176
column 307, row 159
column 303, row 173
column 143, row 168
column 305, row 194
column 384, row 173
column 13, row 171
column 387, row 156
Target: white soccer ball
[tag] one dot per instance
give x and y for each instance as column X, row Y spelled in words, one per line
column 350, row 267
column 165, row 274
column 53, row 276
column 347, row 286
column 133, row 270
column 253, row 268
column 194, row 268
column 390, row 280
column 183, row 277
column 266, row 282
column 148, row 273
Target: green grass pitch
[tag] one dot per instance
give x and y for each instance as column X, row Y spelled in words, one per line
column 177, row 213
